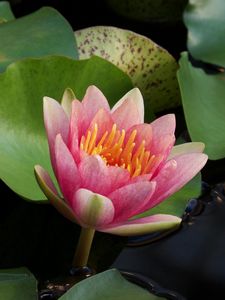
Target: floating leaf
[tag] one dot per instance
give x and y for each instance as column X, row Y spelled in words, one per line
column 204, row 106
column 23, row 141
column 44, row 32
column 205, row 22
column 17, row 284
column 150, row 67
column 107, row 285
column 5, row 12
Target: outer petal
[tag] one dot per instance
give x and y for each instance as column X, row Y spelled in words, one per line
column 94, row 175
column 175, row 174
column 163, row 134
column 68, row 175
column 66, row 102
column 93, row 101
column 129, row 110
column 164, row 125
column 93, row 210
column 76, row 129
column 56, row 121
column 194, row 147
column 129, row 199
column 144, row 225
column 50, row 192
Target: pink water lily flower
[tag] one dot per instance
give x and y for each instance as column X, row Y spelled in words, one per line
column 111, row 166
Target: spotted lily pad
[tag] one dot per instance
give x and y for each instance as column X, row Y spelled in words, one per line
column 150, row 67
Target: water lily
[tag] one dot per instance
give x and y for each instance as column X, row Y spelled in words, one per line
column 111, row 166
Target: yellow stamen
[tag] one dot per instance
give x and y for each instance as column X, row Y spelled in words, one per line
column 111, row 136
column 87, row 140
column 115, row 152
column 92, row 139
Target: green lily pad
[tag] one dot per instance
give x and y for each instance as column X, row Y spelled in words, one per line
column 205, row 23
column 151, row 68
column 17, row 284
column 108, row 285
column 44, row 32
column 204, row 106
column 5, row 12
column 23, row 141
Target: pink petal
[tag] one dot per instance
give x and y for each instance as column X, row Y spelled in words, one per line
column 93, row 101
column 162, row 150
column 162, row 145
column 93, row 210
column 51, row 193
column 104, row 121
column 118, row 177
column 129, row 199
column 145, row 177
column 164, row 125
column 175, row 174
column 67, row 175
column 129, row 110
column 56, row 121
column 94, row 175
column 145, row 225
column 194, row 147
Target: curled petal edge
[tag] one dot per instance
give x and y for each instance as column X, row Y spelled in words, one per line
column 48, row 188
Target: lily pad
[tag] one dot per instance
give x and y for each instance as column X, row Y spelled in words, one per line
column 206, row 30
column 5, row 12
column 23, row 142
column 44, row 32
column 17, row 284
column 150, row 67
column 204, row 106
column 107, row 285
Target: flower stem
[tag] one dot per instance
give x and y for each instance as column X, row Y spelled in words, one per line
column 83, row 248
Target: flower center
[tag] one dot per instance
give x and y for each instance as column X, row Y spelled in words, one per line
column 116, row 152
